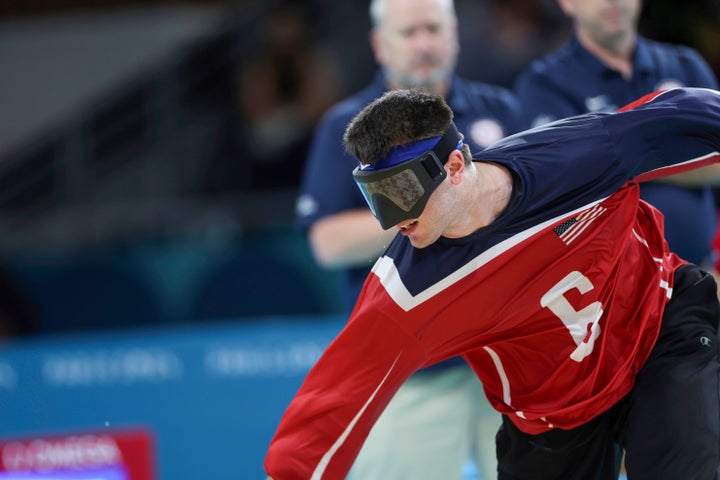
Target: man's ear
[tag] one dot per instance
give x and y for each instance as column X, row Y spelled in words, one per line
column 376, row 43
column 455, row 166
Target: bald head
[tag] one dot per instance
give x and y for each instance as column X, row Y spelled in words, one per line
column 379, row 7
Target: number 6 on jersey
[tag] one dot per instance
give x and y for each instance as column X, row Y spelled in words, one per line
column 582, row 324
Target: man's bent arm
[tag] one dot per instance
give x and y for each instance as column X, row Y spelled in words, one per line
column 666, row 133
column 327, row 422
column 349, row 238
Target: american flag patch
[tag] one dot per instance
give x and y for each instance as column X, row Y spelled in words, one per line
column 571, row 229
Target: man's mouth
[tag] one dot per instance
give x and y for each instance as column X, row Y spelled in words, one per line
column 408, row 225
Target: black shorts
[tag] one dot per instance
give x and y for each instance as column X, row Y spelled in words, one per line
column 668, row 425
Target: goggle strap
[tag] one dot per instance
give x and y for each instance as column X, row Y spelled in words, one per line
column 433, row 166
column 447, row 143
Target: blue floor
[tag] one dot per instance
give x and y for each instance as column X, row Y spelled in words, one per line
column 471, row 473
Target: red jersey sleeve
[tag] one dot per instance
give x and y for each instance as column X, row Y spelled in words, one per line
column 327, row 422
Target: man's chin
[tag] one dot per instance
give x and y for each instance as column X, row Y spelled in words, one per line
column 418, row 242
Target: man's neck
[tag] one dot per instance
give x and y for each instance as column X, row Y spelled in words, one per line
column 616, row 55
column 495, row 187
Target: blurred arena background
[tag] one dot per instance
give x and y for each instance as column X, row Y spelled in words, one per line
column 157, row 305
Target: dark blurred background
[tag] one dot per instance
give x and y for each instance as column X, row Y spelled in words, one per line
column 150, row 150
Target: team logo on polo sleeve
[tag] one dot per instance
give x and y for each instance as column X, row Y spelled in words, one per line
column 485, row 132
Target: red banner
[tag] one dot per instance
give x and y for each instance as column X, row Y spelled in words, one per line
column 130, row 449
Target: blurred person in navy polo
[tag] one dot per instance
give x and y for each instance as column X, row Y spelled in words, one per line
column 440, row 417
column 607, row 64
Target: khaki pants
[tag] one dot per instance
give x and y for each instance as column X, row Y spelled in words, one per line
column 436, row 422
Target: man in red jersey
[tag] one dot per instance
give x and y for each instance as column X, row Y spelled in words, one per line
column 540, row 265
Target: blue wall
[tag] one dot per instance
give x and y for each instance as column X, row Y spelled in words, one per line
column 212, row 395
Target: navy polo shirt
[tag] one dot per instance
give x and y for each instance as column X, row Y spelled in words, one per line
column 571, row 81
column 483, row 113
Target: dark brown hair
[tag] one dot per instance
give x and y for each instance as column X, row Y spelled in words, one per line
column 398, row 117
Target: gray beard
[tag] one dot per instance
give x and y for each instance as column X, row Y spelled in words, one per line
column 431, row 83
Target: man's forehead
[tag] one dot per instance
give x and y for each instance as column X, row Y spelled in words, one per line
column 404, row 14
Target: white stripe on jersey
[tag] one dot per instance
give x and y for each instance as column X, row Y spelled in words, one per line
column 675, row 166
column 507, row 398
column 389, row 275
column 325, row 460
column 659, row 262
